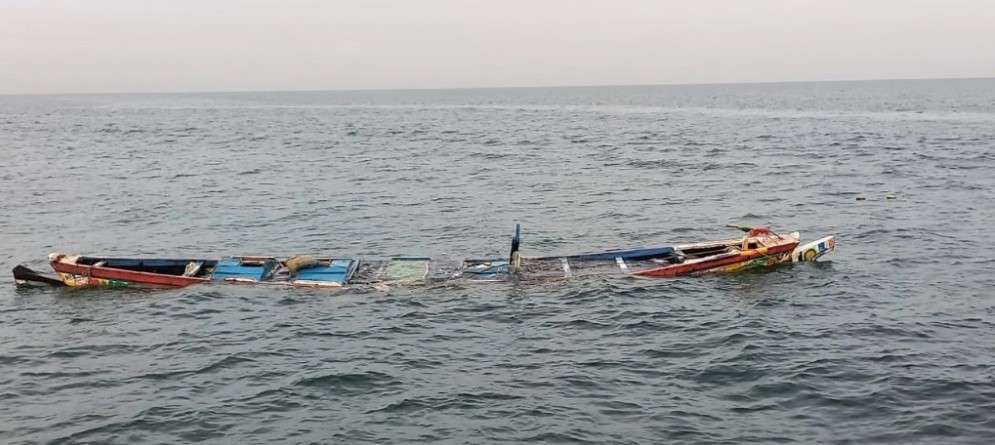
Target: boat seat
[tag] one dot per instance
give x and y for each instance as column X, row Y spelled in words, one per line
column 406, row 269
column 336, row 272
column 621, row 264
column 677, row 258
column 566, row 267
column 485, row 269
column 234, row 269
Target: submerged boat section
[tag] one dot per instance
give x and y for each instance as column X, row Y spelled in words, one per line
column 328, row 272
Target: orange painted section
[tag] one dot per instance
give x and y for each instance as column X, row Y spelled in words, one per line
column 677, row 270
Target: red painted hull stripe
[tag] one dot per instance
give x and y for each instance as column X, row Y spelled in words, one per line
column 131, row 276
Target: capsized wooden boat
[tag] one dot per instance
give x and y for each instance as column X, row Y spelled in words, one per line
column 760, row 247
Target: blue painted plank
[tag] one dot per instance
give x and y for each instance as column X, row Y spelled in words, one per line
column 233, row 268
column 610, row 255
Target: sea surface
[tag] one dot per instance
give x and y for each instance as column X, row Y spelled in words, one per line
column 892, row 340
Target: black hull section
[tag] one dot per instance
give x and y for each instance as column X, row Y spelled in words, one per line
column 25, row 275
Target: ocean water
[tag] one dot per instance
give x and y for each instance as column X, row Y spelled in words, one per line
column 890, row 341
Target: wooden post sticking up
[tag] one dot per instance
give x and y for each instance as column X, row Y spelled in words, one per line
column 515, row 260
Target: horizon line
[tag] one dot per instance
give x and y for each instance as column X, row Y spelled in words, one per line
column 505, row 87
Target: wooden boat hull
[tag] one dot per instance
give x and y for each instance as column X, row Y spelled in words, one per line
column 759, row 248
column 89, row 276
column 732, row 262
column 76, row 274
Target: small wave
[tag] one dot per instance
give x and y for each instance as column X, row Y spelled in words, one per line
column 461, row 401
column 82, row 351
column 670, row 353
column 349, row 381
column 580, row 324
column 226, row 362
column 571, row 436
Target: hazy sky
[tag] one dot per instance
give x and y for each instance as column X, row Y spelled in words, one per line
column 51, row 46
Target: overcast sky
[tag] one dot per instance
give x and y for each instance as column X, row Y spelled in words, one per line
column 52, row 46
